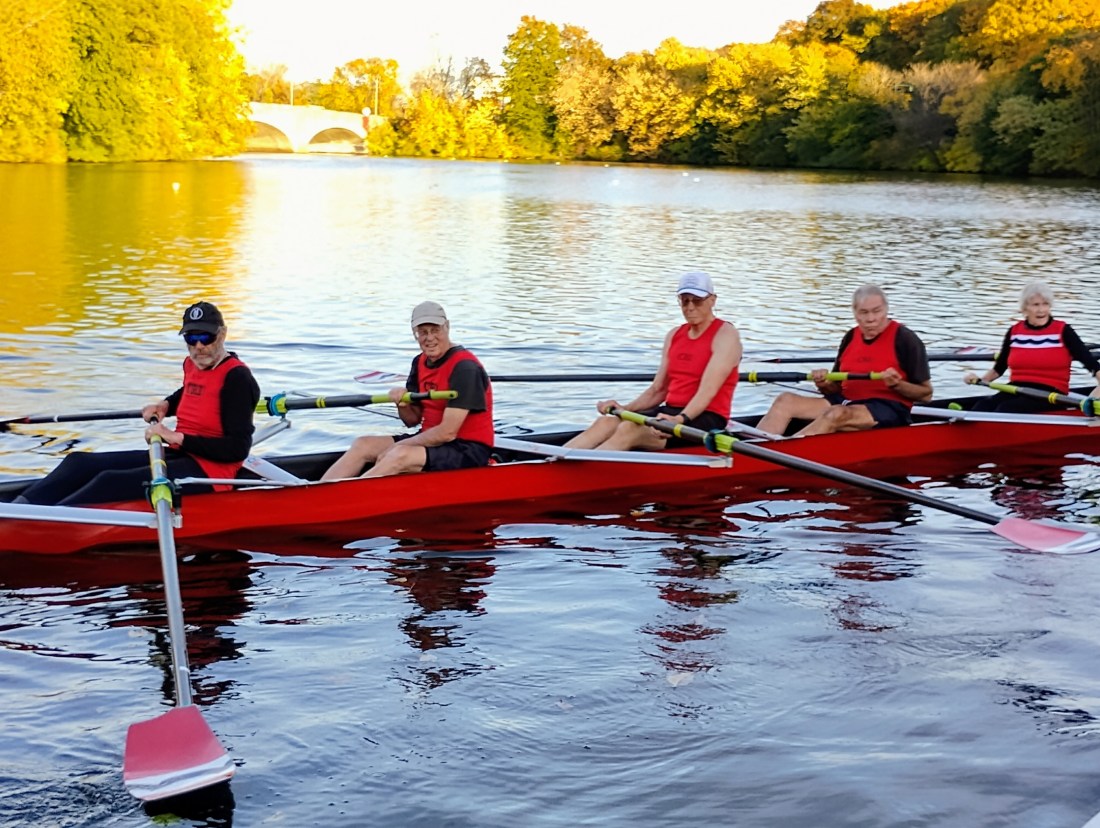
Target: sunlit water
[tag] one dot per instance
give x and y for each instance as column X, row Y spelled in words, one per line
column 787, row 655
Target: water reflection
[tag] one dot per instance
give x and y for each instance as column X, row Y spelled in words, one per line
column 441, row 587
column 113, row 246
column 124, row 591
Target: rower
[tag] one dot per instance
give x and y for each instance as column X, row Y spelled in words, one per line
column 454, row 433
column 1038, row 351
column 211, row 439
column 694, row 383
column 876, row 344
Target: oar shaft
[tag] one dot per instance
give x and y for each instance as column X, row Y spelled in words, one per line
column 726, row 444
column 1080, row 401
column 746, row 376
column 160, row 495
column 35, row 419
column 281, row 404
column 793, row 376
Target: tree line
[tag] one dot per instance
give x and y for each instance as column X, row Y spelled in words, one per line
column 1006, row 87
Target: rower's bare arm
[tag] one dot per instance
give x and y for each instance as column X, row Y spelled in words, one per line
column 915, row 391
column 725, row 355
column 447, row 430
column 655, row 394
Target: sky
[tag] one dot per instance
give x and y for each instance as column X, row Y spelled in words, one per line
column 313, row 38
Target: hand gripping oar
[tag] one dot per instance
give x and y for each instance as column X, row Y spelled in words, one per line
column 1041, row 537
column 1089, row 406
column 175, row 752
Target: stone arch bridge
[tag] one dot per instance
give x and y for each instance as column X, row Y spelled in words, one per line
column 283, row 128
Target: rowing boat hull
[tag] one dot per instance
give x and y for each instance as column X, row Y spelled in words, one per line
column 537, row 487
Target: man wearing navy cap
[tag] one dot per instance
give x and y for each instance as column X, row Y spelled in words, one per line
column 211, row 438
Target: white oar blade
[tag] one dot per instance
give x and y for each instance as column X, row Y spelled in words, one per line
column 1046, row 537
column 173, row 754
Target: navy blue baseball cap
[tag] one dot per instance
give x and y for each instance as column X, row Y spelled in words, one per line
column 202, row 316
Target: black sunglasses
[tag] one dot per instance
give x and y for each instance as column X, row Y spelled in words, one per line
column 199, row 337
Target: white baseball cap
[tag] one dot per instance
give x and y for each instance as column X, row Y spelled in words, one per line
column 696, row 283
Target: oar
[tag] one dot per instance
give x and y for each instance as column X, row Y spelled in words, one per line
column 747, row 376
column 793, row 376
column 280, row 404
column 276, row 405
column 175, row 752
column 966, row 353
column 1086, row 405
column 5, row 425
column 1041, row 537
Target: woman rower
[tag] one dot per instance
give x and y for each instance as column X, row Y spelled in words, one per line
column 212, row 437
column 1038, row 351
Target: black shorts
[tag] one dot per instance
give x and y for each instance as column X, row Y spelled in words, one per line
column 885, row 413
column 707, row 421
column 457, row 454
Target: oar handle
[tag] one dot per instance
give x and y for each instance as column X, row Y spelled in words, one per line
column 1086, row 405
column 280, row 404
column 794, row 376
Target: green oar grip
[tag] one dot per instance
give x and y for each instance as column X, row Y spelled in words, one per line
column 1086, row 405
column 278, row 405
column 793, row 376
column 717, row 441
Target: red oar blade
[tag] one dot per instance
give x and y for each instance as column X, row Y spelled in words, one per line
column 173, row 754
column 1046, row 537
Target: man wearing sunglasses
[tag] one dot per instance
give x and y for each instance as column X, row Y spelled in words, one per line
column 694, row 383
column 211, row 438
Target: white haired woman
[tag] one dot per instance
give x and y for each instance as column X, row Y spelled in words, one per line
column 1038, row 352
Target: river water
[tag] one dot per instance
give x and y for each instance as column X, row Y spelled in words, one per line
column 795, row 655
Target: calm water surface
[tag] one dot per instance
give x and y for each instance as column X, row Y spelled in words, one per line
column 792, row 654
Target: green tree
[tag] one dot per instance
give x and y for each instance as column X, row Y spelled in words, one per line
column 269, row 85
column 653, row 108
column 361, row 83
column 157, row 80
column 843, row 23
column 427, row 126
column 532, row 59
column 37, row 72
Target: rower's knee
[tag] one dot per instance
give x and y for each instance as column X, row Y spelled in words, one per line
column 853, row 418
column 400, row 459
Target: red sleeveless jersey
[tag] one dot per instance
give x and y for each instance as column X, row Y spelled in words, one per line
column 200, row 412
column 1039, row 355
column 861, row 357
column 687, row 360
column 478, row 425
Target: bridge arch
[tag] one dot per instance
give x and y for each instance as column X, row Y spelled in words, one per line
column 283, row 128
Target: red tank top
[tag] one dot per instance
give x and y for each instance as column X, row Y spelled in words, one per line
column 861, row 357
column 478, row 425
column 1039, row 355
column 200, row 412
column 687, row 360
